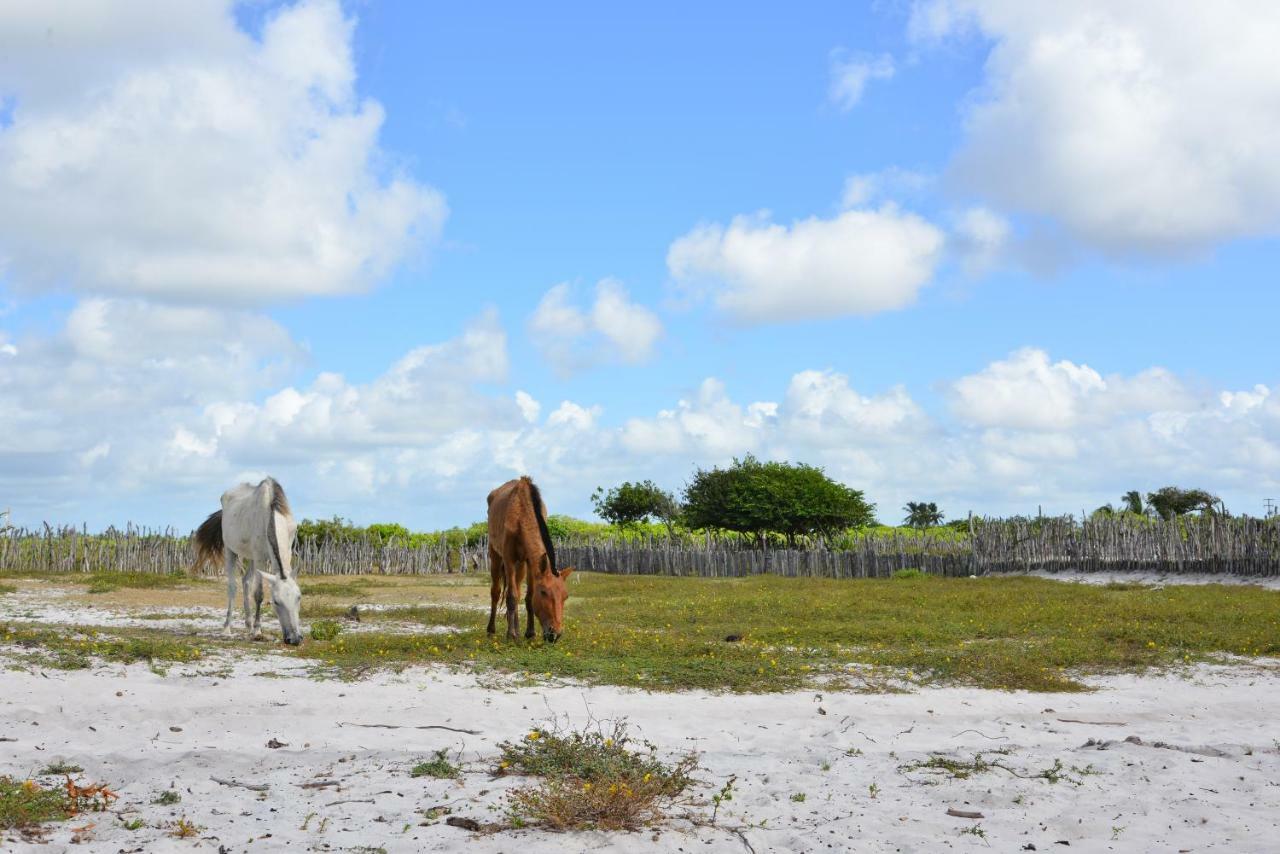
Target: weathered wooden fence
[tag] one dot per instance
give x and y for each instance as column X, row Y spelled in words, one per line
column 1210, row 544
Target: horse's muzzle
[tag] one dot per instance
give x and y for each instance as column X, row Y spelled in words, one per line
column 551, row 637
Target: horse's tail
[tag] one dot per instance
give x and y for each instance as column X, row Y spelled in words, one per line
column 208, row 539
column 536, row 497
column 276, row 503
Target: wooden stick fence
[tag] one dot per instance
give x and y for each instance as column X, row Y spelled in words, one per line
column 1209, row 544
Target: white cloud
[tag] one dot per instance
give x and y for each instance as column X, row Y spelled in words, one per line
column 863, row 189
column 613, row 329
column 167, row 153
column 850, row 75
column 1027, row 392
column 1142, row 126
column 123, row 410
column 859, row 262
column 529, row 407
column 980, row 236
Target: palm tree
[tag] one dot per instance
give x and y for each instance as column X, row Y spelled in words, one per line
column 1133, row 503
column 922, row 515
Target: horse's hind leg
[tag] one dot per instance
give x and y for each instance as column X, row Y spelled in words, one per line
column 495, row 587
column 231, row 560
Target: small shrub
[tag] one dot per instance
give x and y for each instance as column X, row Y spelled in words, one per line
column 134, row 824
column 325, row 630
column 167, row 798
column 592, row 780
column 184, row 828
column 439, row 767
column 909, row 572
column 798, row 797
column 26, row 804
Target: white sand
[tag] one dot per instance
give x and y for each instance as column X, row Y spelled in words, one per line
column 1143, row 798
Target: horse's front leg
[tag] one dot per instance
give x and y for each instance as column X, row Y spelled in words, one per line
column 256, row 632
column 249, row 573
column 513, row 598
column 231, row 561
column 528, row 610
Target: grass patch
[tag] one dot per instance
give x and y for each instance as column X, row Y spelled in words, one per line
column 592, row 780
column 60, row 768
column 343, row 587
column 106, row 582
column 7, row 588
column 663, row 633
column 167, row 798
column 26, row 804
column 65, row 649
column 908, row 573
column 438, row 767
column 325, row 630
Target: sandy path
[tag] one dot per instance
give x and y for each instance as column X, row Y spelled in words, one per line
column 115, row 721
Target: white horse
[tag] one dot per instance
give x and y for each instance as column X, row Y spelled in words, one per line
column 255, row 525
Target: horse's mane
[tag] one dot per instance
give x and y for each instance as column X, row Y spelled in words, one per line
column 278, row 504
column 536, row 496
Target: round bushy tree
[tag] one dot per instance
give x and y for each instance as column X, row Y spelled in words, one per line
column 756, row 498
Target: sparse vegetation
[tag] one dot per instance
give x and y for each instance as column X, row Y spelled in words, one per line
column 26, row 803
column 325, row 630
column 438, row 767
column 167, row 798
column 592, row 780
column 60, row 768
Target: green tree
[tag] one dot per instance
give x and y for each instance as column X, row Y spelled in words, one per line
column 1171, row 501
column 756, row 498
column 921, row 514
column 633, row 503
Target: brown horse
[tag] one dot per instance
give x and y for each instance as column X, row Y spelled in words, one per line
column 520, row 551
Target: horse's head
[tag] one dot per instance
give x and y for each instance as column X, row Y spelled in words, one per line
column 286, row 598
column 549, row 593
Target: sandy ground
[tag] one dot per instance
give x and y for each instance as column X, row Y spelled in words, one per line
column 813, row 772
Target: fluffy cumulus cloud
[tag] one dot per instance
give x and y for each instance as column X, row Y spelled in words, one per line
column 137, row 411
column 156, row 149
column 612, row 329
column 1138, row 127
column 861, row 261
column 851, row 74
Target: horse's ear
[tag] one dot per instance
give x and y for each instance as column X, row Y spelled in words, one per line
column 267, row 579
column 566, row 572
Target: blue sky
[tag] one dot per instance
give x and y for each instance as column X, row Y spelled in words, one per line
column 1056, row 283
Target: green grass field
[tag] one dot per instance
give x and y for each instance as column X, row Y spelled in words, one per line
column 1010, row 633
column 670, row 633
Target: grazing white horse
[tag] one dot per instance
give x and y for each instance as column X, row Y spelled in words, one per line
column 255, row 525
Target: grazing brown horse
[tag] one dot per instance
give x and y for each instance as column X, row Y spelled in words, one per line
column 520, row 551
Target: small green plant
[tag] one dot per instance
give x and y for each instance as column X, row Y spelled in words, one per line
column 184, row 828
column 909, row 572
column 134, row 824
column 853, row 751
column 1115, row 832
column 438, row 767
column 825, row 766
column 975, row 830
column 723, row 796
column 873, row 789
column 167, row 798
column 798, row 797
column 325, row 630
